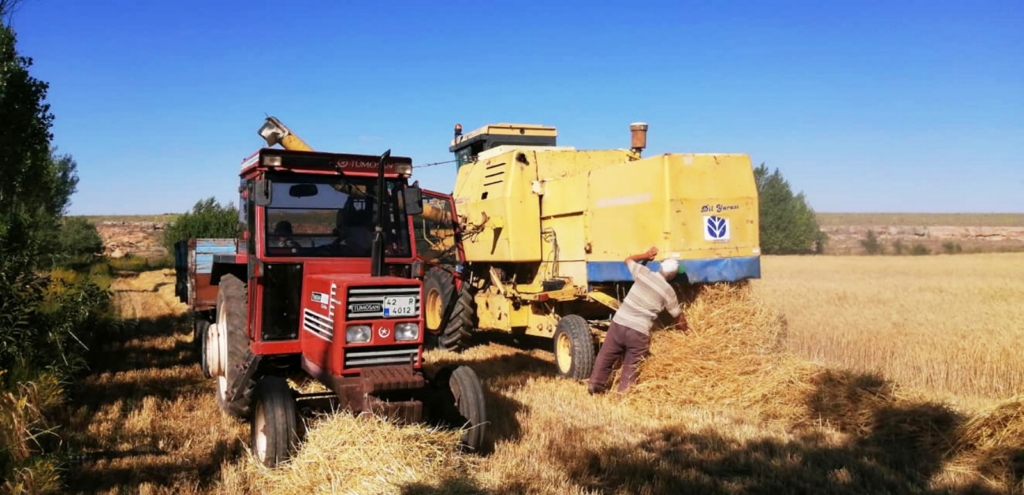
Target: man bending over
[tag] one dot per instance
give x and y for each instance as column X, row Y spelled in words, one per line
column 629, row 335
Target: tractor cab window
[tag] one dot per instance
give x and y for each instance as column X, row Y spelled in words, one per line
column 332, row 217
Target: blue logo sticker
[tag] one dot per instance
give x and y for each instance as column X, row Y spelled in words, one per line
column 716, row 228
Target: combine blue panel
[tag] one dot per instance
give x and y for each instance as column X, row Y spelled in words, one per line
column 206, row 248
column 697, row 271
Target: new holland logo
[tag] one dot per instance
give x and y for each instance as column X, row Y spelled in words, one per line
column 366, row 308
column 716, row 228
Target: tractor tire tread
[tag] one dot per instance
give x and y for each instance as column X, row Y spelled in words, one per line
column 461, row 322
column 273, row 394
column 233, row 296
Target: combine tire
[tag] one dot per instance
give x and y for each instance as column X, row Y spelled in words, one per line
column 460, row 404
column 461, row 322
column 200, row 328
column 438, row 287
column 450, row 315
column 233, row 343
column 274, row 432
column 574, row 348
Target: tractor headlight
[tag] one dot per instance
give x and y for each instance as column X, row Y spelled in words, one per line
column 407, row 331
column 357, row 334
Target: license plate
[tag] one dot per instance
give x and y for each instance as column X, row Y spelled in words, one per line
column 399, row 306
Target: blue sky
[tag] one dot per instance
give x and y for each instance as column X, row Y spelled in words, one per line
column 865, row 106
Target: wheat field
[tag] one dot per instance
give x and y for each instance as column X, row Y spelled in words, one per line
column 952, row 326
column 731, row 405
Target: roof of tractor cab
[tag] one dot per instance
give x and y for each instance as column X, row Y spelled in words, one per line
column 316, row 160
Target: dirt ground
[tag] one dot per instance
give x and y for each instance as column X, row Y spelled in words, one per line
column 145, row 420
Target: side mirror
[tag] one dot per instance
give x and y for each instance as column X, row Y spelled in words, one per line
column 413, row 197
column 261, row 192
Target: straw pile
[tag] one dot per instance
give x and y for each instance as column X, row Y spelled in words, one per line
column 993, row 442
column 732, row 354
column 348, row 454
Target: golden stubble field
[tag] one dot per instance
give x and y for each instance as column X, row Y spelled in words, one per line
column 952, row 326
column 734, row 405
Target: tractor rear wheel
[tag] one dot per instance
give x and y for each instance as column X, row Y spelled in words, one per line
column 574, row 347
column 274, row 426
column 234, row 349
column 460, row 403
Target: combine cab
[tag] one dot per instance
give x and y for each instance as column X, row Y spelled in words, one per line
column 537, row 242
column 320, row 285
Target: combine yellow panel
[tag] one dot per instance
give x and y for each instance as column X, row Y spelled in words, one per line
column 699, row 208
column 502, row 212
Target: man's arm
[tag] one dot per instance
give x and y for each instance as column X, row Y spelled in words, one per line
column 647, row 255
column 673, row 309
column 631, row 261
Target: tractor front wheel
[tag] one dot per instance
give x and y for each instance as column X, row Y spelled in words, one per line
column 460, row 404
column 274, row 426
column 574, row 348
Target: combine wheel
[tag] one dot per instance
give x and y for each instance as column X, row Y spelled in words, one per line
column 232, row 346
column 274, row 432
column 574, row 348
column 460, row 404
column 438, row 286
column 449, row 322
column 461, row 321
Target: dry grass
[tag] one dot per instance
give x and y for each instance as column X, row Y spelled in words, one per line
column 722, row 408
column 922, row 219
column 949, row 326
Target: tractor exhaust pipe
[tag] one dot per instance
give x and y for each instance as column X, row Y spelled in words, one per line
column 377, row 249
column 638, row 133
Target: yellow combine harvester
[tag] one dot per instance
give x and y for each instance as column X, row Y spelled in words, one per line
column 544, row 231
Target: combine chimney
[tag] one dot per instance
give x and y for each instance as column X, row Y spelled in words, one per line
column 638, row 132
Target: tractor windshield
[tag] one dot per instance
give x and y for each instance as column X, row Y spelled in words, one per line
column 329, row 216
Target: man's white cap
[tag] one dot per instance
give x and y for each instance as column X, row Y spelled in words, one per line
column 669, row 267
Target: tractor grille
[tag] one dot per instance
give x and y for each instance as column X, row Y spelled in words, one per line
column 380, row 355
column 368, row 302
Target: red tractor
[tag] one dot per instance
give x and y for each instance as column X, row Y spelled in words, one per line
column 325, row 283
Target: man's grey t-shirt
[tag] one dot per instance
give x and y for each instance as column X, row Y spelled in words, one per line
column 650, row 294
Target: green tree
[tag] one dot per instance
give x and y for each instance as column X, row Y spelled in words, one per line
column 208, row 218
column 78, row 241
column 788, row 223
column 26, row 165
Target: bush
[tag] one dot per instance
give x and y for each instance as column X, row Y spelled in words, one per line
column 871, row 244
column 78, row 242
column 140, row 264
column 208, row 218
column 787, row 222
column 951, row 247
column 898, row 247
column 920, row 250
